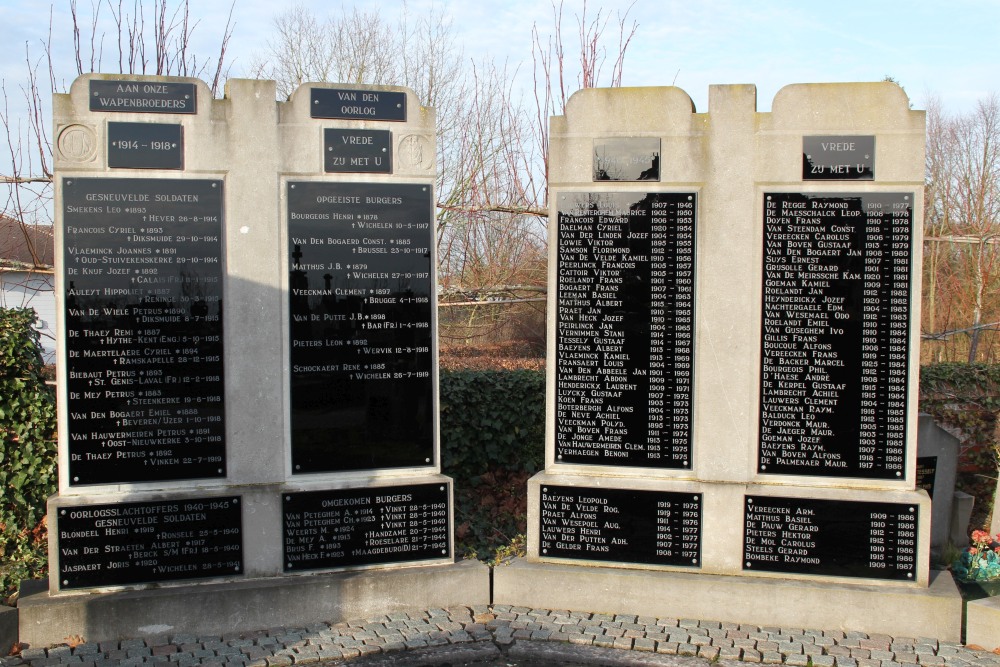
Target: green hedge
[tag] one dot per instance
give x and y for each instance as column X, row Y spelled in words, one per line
column 492, row 440
column 967, row 397
column 492, row 418
column 28, row 453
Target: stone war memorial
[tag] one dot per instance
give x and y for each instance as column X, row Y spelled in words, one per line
column 733, row 335
column 248, row 413
column 248, row 399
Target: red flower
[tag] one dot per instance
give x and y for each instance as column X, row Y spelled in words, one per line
column 980, row 536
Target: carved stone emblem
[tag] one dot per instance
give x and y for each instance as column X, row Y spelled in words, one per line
column 77, row 143
column 415, row 152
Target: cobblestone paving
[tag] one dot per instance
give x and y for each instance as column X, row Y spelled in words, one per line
column 504, row 626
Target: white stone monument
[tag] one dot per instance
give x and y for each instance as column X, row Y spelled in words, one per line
column 248, row 379
column 732, row 382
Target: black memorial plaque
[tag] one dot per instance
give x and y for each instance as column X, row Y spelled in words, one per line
column 145, row 146
column 627, row 159
column 835, row 334
column 620, row 525
column 624, row 324
column 367, row 151
column 348, row 104
column 838, row 158
column 372, row 526
column 927, row 473
column 147, row 542
column 143, row 97
column 143, row 306
column 362, row 326
column 830, row 537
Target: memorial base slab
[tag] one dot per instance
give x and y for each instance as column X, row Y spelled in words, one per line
column 932, row 612
column 8, row 628
column 247, row 605
column 982, row 622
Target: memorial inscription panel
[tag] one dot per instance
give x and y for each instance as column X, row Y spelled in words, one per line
column 349, row 104
column 624, row 325
column 145, row 146
column 361, row 310
column 357, row 151
column 351, row 527
column 835, row 334
column 620, row 525
column 838, row 158
column 627, row 159
column 830, row 537
column 145, row 542
column 143, row 97
column 143, row 310
column 927, row 473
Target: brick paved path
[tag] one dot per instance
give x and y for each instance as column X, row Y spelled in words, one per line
column 487, row 633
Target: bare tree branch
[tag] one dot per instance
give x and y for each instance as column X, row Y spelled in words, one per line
column 27, row 207
column 516, row 210
column 962, row 231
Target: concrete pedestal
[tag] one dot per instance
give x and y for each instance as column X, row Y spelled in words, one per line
column 935, row 611
column 8, row 628
column 247, row 605
column 982, row 623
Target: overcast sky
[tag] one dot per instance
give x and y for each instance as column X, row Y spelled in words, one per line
column 933, row 48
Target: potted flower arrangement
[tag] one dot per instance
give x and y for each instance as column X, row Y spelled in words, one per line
column 977, row 569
